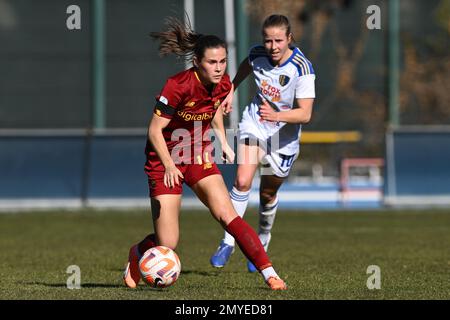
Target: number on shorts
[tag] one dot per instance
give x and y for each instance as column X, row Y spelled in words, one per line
column 287, row 160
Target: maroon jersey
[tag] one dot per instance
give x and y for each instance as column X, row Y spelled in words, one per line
column 190, row 107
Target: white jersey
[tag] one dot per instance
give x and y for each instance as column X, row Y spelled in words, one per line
column 280, row 86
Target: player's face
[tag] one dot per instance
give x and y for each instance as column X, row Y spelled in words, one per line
column 277, row 43
column 212, row 66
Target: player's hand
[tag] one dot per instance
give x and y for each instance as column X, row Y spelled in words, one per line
column 228, row 153
column 227, row 104
column 172, row 176
column 267, row 113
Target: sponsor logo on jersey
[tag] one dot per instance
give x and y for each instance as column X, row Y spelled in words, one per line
column 270, row 91
column 187, row 116
column 284, row 80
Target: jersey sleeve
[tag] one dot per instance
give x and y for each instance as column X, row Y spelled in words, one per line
column 305, row 87
column 256, row 52
column 168, row 100
column 226, row 84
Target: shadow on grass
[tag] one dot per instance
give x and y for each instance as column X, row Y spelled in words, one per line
column 201, row 273
column 83, row 285
column 193, row 272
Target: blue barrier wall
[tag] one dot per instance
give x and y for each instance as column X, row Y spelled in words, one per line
column 41, row 167
column 418, row 163
column 107, row 169
column 117, row 167
column 77, row 166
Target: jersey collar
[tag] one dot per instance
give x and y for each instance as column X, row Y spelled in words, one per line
column 202, row 85
column 294, row 51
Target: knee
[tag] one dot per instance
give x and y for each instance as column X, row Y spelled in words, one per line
column 224, row 216
column 225, row 219
column 243, row 184
column 266, row 197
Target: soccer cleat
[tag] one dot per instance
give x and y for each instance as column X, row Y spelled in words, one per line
column 131, row 275
column 222, row 255
column 275, row 283
column 250, row 266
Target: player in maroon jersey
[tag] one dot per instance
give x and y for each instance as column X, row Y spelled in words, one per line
column 188, row 105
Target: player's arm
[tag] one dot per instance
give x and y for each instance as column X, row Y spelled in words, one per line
column 304, row 98
column 302, row 114
column 155, row 135
column 219, row 130
column 243, row 72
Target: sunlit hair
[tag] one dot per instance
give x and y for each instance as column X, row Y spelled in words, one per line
column 180, row 40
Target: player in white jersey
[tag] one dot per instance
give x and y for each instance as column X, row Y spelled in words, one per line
column 270, row 128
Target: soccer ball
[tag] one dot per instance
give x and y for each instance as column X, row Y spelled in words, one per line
column 159, row 267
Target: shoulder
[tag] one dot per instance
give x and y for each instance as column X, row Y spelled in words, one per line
column 176, row 88
column 257, row 52
column 180, row 78
column 225, row 84
column 303, row 65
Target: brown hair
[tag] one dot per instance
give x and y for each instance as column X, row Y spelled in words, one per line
column 180, row 40
column 278, row 20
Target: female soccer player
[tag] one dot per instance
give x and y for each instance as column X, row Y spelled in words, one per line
column 188, row 105
column 271, row 125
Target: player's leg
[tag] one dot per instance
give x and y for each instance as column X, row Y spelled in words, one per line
column 268, row 200
column 165, row 214
column 274, row 172
column 248, row 159
column 269, row 186
column 172, row 205
column 212, row 191
column 245, row 173
column 165, row 204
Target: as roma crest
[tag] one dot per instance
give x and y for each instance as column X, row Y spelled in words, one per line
column 283, row 79
column 216, row 104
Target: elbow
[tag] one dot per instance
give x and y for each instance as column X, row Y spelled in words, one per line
column 305, row 119
column 150, row 136
column 153, row 133
column 214, row 122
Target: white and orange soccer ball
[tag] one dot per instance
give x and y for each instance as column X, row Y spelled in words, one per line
column 160, row 267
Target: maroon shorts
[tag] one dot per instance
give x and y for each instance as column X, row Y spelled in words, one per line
column 192, row 174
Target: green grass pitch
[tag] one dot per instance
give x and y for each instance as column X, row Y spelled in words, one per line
column 321, row 255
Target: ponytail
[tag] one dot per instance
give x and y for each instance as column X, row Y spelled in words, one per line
column 179, row 39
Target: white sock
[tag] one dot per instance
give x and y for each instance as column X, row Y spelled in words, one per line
column 266, row 219
column 268, row 273
column 240, row 202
